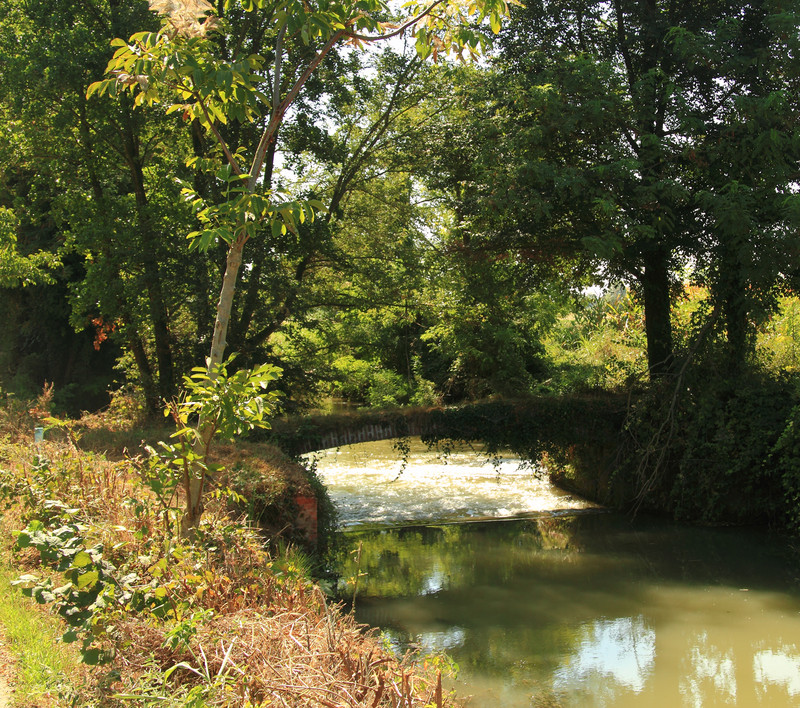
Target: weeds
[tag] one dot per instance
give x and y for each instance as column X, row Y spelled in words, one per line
column 214, row 620
column 45, row 669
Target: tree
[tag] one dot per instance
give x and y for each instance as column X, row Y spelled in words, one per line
column 18, row 268
column 660, row 137
column 181, row 63
column 82, row 172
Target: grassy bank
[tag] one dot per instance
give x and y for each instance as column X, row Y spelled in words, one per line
column 43, row 670
column 221, row 620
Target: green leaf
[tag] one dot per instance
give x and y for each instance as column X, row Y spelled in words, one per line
column 26, row 580
column 88, row 580
column 81, row 560
column 93, row 656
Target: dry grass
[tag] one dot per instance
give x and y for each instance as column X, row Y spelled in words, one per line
column 265, row 460
column 265, row 634
column 310, row 656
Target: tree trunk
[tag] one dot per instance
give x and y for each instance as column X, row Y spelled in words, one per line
column 658, row 327
column 194, row 481
column 151, row 399
column 735, row 311
column 152, row 275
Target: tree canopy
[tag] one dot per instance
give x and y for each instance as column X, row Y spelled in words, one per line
column 383, row 227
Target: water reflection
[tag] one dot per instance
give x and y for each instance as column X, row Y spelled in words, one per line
column 581, row 608
column 619, row 651
column 589, row 610
column 711, row 672
column 780, row 667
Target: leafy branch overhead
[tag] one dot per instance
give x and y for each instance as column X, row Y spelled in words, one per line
column 183, row 59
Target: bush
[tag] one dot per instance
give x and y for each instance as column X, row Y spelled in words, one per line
column 387, row 389
column 710, row 451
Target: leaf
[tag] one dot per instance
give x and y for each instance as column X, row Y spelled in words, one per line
column 26, row 580
column 88, row 580
column 93, row 656
column 96, row 87
column 81, row 560
column 23, row 539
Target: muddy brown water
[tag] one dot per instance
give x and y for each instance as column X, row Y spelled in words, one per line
column 565, row 604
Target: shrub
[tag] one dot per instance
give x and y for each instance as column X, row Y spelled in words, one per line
column 707, row 450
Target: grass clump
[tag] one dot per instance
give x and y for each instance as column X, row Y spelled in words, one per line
column 215, row 619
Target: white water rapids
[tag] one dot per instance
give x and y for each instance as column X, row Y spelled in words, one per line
column 371, row 485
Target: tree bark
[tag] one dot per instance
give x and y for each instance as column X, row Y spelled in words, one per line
column 151, row 399
column 658, row 326
column 194, row 481
column 152, row 275
column 735, row 311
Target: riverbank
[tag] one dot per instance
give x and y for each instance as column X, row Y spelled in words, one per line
column 224, row 620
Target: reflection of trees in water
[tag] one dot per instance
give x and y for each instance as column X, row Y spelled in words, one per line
column 557, row 533
column 708, row 670
column 777, row 667
column 710, row 673
column 569, row 608
column 423, row 560
column 609, row 655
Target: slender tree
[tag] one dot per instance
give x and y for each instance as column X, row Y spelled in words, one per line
column 181, row 64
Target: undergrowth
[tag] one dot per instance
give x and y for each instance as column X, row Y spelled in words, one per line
column 216, row 619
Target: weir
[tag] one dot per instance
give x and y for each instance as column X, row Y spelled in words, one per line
column 578, row 435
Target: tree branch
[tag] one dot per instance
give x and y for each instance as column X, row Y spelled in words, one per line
column 277, row 115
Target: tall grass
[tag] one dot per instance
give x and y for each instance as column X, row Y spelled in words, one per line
column 215, row 620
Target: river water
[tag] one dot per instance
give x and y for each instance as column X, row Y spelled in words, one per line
column 544, row 600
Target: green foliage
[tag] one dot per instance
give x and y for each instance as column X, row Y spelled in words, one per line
column 369, row 383
column 778, row 344
column 151, row 574
column 89, row 591
column 215, row 404
column 599, row 141
column 786, row 459
column 16, row 268
column 243, row 213
column 599, row 344
column 231, row 404
column 715, row 449
column 184, row 67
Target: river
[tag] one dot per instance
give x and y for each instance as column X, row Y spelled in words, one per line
column 542, row 599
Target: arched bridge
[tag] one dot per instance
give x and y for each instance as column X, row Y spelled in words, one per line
column 527, row 426
column 579, row 434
